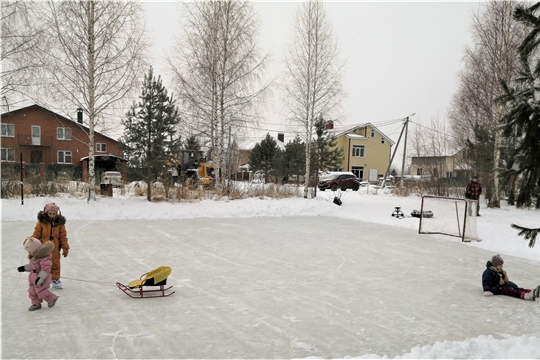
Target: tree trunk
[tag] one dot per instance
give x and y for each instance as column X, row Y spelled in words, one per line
column 495, row 200
column 91, row 102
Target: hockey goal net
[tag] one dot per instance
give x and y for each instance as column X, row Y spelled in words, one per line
column 449, row 216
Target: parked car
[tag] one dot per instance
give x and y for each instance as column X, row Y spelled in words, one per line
column 112, row 177
column 341, row 181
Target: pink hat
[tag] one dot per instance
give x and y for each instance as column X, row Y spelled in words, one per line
column 51, row 206
column 31, row 244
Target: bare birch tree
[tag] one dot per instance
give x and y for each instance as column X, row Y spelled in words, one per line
column 492, row 59
column 94, row 59
column 20, row 35
column 217, row 67
column 312, row 80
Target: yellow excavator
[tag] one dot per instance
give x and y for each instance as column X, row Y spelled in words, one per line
column 203, row 175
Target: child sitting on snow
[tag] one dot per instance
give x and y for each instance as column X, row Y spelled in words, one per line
column 495, row 282
column 39, row 267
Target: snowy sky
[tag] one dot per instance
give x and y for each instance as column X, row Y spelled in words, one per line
column 267, row 278
column 401, row 57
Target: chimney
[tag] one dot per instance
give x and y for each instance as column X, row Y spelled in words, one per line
column 329, row 125
column 281, row 137
column 79, row 115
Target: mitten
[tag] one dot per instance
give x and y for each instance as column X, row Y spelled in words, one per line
column 41, row 277
column 65, row 252
column 23, row 268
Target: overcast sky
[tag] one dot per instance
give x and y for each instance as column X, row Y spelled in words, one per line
column 401, row 57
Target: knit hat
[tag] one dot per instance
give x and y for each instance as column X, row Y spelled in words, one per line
column 497, row 260
column 31, row 244
column 51, row 206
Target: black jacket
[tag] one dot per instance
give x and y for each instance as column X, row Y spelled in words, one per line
column 491, row 279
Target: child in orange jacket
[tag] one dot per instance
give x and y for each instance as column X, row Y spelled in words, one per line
column 51, row 226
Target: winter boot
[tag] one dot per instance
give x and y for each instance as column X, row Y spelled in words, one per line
column 536, row 293
column 35, row 307
column 51, row 304
column 529, row 296
column 57, row 284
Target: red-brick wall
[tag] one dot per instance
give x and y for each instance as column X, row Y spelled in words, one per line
column 48, row 121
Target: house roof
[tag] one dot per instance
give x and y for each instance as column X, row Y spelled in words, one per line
column 36, row 106
column 251, row 145
column 345, row 129
column 440, row 156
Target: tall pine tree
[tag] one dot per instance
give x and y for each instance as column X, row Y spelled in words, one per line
column 150, row 134
column 294, row 158
column 523, row 118
column 264, row 156
column 326, row 155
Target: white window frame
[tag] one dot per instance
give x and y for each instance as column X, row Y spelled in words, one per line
column 383, row 140
column 66, row 135
column 6, row 130
column 64, row 154
column 5, row 155
column 358, row 151
column 101, row 147
column 358, row 171
column 372, row 133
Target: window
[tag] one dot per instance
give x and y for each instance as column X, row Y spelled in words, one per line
column 101, row 147
column 358, row 151
column 64, row 157
column 8, row 154
column 36, row 135
column 358, row 171
column 383, row 141
column 372, row 133
column 63, row 133
column 419, row 171
column 8, row 130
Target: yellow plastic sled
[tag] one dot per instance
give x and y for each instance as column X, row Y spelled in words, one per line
column 156, row 277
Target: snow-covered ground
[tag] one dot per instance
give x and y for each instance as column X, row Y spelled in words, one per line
column 271, row 278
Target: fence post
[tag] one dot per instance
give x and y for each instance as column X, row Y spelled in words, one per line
column 22, row 178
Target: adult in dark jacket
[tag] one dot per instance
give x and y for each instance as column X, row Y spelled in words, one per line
column 473, row 192
column 495, row 281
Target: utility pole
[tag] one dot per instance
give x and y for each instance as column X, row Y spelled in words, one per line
column 404, row 149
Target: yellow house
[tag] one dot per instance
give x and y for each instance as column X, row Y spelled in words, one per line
column 366, row 149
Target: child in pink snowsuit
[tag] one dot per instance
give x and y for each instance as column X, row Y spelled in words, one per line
column 39, row 267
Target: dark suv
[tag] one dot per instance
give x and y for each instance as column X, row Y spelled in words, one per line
column 340, row 181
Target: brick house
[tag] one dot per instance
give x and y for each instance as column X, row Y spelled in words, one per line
column 55, row 145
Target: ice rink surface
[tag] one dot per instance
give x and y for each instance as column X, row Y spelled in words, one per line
column 267, row 287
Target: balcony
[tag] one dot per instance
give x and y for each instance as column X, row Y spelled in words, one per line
column 28, row 140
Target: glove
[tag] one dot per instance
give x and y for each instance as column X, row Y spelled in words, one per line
column 21, row 269
column 65, row 252
column 41, row 277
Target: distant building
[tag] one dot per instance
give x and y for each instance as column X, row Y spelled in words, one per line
column 444, row 166
column 53, row 144
column 366, row 149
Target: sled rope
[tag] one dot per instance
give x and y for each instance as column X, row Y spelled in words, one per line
column 14, row 287
column 88, row 281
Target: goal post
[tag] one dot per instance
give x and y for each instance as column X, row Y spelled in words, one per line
column 449, row 216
